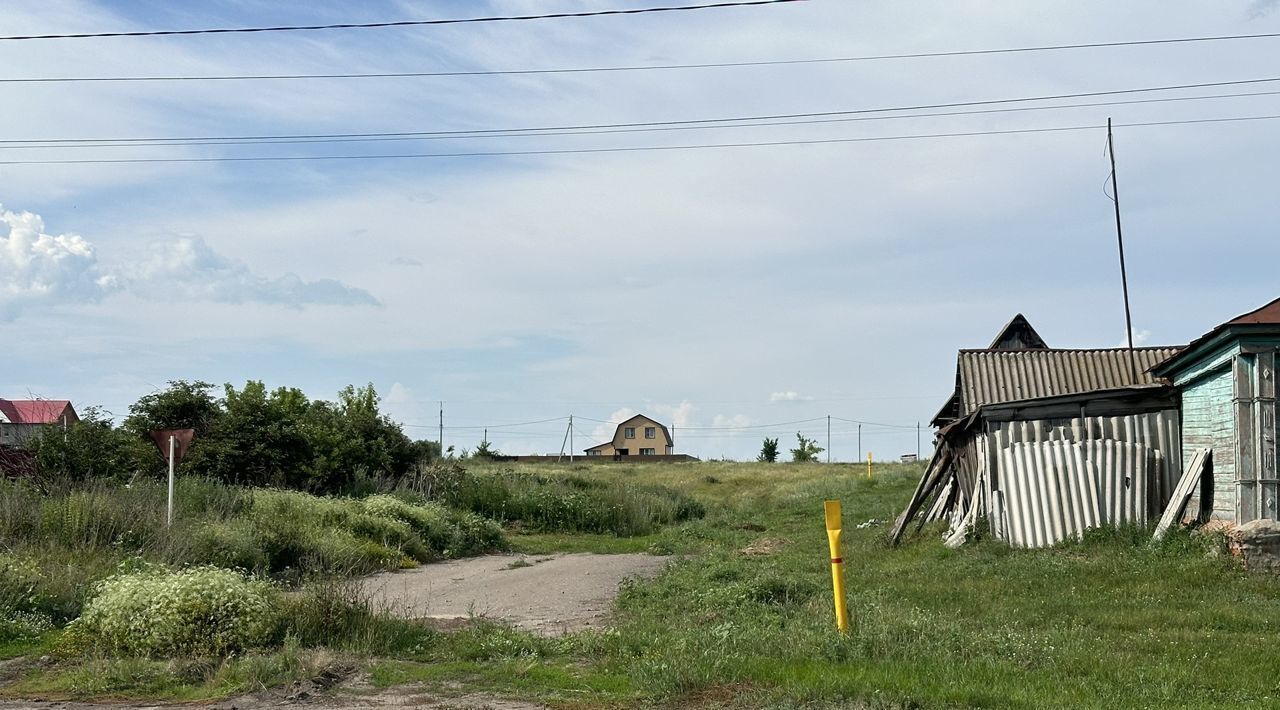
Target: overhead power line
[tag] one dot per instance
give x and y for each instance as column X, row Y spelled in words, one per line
column 402, row 23
column 625, row 149
column 544, row 130
column 639, row 67
column 429, row 135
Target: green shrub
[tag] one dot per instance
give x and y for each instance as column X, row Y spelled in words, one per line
column 23, row 626
column 202, row 611
column 234, row 544
column 475, row 535
column 340, row 615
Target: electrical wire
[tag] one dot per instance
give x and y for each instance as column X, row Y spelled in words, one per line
column 625, row 149
column 375, row 138
column 680, row 122
column 401, row 23
column 636, row 68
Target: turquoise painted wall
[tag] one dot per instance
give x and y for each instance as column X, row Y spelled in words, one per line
column 1208, row 421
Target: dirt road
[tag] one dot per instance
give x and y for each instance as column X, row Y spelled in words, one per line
column 550, row 594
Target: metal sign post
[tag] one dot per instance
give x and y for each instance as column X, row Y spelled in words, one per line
column 173, row 445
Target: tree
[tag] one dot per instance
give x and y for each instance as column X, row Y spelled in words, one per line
column 184, row 405
column 90, row 449
column 807, row 449
column 485, row 451
column 768, row 451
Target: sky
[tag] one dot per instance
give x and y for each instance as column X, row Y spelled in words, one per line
column 733, row 293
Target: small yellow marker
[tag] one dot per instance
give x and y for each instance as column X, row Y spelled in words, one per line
column 868, row 464
column 837, row 564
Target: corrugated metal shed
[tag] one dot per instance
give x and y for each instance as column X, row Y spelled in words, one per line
column 997, row 376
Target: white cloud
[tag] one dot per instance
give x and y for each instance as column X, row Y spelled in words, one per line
column 1140, row 338
column 49, row 269
column 679, row 415
column 788, row 396
column 37, row 267
column 186, row 268
column 736, row 420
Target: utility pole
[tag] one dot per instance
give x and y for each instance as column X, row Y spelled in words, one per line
column 442, row 430
column 859, row 442
column 917, row 441
column 828, row 438
column 1124, row 275
column 570, row 438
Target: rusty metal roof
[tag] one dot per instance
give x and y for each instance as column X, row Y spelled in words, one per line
column 1267, row 317
column 996, row 376
column 36, row 411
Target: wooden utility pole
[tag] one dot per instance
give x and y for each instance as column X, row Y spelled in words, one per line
column 442, row 429
column 828, row 438
column 570, row 438
column 1124, row 276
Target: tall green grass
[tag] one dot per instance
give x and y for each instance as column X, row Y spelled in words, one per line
column 564, row 503
column 55, row 544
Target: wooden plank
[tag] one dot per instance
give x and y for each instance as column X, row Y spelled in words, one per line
column 1246, row 474
column 1187, row 485
column 1265, row 434
column 938, row 467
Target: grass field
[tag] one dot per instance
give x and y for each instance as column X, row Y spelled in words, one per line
column 743, row 617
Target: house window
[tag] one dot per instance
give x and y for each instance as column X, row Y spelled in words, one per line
column 593, row 452
column 651, row 432
column 629, row 432
column 647, row 452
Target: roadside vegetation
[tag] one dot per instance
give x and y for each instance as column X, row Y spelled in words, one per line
column 741, row 618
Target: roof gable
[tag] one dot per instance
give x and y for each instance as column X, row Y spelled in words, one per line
column 1018, row 334
column 1257, row 319
column 36, row 411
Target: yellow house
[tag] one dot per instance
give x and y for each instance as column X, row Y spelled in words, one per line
column 637, row 436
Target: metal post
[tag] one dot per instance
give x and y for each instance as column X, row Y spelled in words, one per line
column 571, row 438
column 1124, row 274
column 917, row 441
column 442, row 430
column 859, row 441
column 828, row 438
column 172, row 457
column 832, row 510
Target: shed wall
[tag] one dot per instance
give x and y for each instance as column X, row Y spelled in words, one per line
column 1208, row 421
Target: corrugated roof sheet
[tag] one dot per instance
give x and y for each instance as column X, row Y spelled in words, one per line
column 995, row 376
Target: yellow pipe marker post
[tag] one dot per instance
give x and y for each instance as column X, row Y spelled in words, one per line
column 868, row 464
column 837, row 564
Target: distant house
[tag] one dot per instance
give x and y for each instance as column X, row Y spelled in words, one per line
column 21, row 419
column 637, row 436
column 1227, row 381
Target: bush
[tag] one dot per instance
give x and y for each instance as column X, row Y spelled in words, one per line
column 340, row 615
column 234, row 545
column 202, row 611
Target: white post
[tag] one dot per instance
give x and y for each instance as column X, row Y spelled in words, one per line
column 172, row 456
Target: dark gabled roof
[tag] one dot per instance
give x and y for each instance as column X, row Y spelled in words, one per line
column 985, row 377
column 1267, row 317
column 1018, row 334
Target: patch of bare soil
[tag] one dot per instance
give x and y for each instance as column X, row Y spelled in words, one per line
column 549, row 595
column 764, row 546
